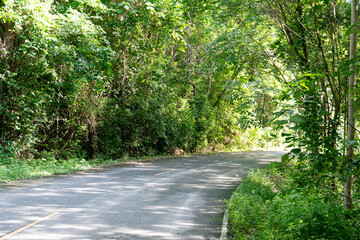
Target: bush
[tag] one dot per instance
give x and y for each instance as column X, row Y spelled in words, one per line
column 263, row 207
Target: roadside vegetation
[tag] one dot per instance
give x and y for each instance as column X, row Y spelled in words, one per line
column 91, row 79
column 86, row 82
column 279, row 202
column 14, row 169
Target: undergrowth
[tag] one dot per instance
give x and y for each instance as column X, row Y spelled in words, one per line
column 267, row 205
column 14, row 169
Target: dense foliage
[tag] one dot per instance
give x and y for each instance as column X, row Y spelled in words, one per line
column 100, row 78
column 112, row 78
column 270, row 205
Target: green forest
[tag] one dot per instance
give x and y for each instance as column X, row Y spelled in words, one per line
column 87, row 82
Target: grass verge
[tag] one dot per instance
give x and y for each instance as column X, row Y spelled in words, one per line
column 15, row 169
column 266, row 205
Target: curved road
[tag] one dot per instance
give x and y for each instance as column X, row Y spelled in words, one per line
column 175, row 198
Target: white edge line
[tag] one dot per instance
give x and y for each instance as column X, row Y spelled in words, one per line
column 224, row 226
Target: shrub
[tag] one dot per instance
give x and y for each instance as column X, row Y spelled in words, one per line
column 263, row 207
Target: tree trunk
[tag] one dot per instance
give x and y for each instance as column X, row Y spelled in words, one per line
column 348, row 196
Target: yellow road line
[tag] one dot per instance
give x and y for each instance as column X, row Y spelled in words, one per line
column 28, row 226
column 161, row 173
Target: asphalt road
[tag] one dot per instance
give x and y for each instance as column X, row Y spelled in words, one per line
column 175, row 198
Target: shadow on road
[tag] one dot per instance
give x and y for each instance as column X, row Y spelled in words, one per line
column 131, row 202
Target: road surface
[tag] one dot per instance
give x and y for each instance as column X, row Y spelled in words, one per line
column 174, row 198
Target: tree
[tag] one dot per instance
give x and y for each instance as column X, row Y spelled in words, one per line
column 311, row 44
column 351, row 122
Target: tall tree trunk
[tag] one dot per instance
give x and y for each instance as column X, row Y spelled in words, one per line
column 351, row 110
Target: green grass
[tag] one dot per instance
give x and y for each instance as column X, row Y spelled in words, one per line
column 14, row 169
column 267, row 206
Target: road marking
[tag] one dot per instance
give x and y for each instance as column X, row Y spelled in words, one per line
column 28, row 226
column 224, row 227
column 161, row 173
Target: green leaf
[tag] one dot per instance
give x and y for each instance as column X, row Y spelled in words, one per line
column 285, row 158
column 352, row 142
column 295, row 150
column 296, row 119
column 280, row 122
column 295, row 195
